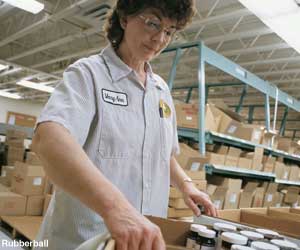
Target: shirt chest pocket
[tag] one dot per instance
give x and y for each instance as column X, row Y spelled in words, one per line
column 120, row 132
column 166, row 135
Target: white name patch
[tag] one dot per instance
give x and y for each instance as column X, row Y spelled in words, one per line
column 115, row 98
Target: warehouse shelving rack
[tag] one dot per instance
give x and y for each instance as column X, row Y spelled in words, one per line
column 206, row 55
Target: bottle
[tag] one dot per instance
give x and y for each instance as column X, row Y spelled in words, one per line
column 206, row 240
column 193, row 234
column 268, row 234
column 259, row 245
column 220, row 228
column 284, row 244
column 239, row 247
column 228, row 239
column 252, row 236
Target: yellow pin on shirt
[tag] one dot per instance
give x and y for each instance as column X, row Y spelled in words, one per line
column 164, row 109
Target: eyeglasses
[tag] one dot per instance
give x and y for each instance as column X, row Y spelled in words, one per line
column 155, row 26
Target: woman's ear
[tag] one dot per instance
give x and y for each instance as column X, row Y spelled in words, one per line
column 123, row 22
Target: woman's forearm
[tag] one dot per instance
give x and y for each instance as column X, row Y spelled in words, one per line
column 68, row 166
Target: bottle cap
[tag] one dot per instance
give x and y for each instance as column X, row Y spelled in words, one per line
column 258, row 245
column 224, row 227
column 239, row 247
column 196, row 227
column 252, row 235
column 234, row 238
column 284, row 244
column 207, row 233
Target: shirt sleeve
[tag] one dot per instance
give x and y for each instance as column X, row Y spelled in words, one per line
column 72, row 104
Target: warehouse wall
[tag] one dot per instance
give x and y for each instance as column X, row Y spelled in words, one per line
column 19, row 106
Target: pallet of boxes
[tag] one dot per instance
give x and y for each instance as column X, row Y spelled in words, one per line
column 192, row 163
column 25, row 190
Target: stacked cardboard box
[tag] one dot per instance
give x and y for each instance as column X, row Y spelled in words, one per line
column 247, row 195
column 232, row 157
column 193, row 164
column 187, row 117
column 291, row 196
column 224, row 192
column 270, row 195
column 6, row 175
column 15, row 141
column 29, row 181
column 287, row 145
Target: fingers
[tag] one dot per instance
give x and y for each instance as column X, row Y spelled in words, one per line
column 159, row 243
column 192, row 205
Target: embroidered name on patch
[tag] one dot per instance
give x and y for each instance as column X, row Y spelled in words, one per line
column 115, row 98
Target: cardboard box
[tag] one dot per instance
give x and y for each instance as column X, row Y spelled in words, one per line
column 232, row 151
column 287, row 145
column 257, row 159
column 15, row 142
column 269, row 200
column 35, row 205
column 221, row 149
column 190, row 159
column 3, row 188
column 286, row 172
column 46, row 203
column 246, row 197
column 173, row 232
column 200, row 184
column 12, row 133
column 244, row 163
column 278, row 199
column 250, row 132
column 178, row 204
column 279, row 170
column 174, row 193
column 262, row 219
column 291, row 197
column 294, row 173
column 258, row 198
column 178, row 213
column 48, row 186
column 196, row 175
column 28, row 179
column 215, row 159
column 233, row 193
column 15, row 154
column 269, row 164
column 218, row 197
column 33, row 159
column 12, row 204
column 7, row 173
column 231, row 161
column 187, row 117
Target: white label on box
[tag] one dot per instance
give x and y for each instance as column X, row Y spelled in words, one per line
column 286, row 175
column 277, row 205
column 269, row 197
column 189, row 118
column 231, row 129
column 195, row 166
column 295, row 204
column 3, row 173
column 37, row 181
column 232, row 198
column 217, row 204
column 256, row 135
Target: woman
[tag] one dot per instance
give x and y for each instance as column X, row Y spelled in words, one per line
column 113, row 135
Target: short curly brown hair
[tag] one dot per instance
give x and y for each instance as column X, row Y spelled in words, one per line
column 180, row 10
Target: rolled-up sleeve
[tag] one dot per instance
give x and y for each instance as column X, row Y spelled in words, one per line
column 72, row 104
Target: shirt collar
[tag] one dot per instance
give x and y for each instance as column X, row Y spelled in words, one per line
column 118, row 69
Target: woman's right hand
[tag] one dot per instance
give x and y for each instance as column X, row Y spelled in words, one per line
column 133, row 231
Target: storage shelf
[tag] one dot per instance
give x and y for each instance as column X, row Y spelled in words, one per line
column 212, row 137
column 4, row 127
column 286, row 182
column 239, row 172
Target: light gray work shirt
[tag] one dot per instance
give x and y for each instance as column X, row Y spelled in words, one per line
column 121, row 128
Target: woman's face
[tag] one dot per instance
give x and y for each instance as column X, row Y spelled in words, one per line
column 148, row 33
